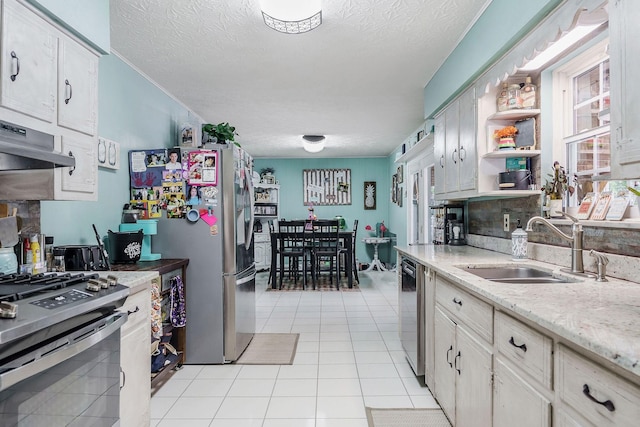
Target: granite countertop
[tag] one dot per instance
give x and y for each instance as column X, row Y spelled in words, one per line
column 135, row 280
column 601, row 317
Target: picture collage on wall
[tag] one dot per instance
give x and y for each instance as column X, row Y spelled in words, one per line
column 172, row 180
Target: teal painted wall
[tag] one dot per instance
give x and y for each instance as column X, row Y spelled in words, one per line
column 288, row 173
column 497, row 30
column 88, row 19
column 138, row 115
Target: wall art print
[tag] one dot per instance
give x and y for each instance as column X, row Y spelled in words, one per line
column 326, row 187
column 370, row 195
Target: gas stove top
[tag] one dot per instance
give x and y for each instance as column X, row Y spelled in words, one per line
column 32, row 303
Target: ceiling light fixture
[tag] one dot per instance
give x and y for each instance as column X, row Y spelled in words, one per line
column 292, row 16
column 313, row 143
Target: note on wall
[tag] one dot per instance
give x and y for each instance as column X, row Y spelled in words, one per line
column 326, row 187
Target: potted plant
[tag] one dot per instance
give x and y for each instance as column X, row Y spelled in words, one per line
column 555, row 187
column 505, row 137
column 220, row 133
column 266, row 175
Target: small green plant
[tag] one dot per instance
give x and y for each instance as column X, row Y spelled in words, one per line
column 559, row 183
column 222, row 132
column 265, row 171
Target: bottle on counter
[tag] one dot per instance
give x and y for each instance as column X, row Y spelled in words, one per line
column 8, row 261
column 58, row 259
column 48, row 252
column 519, row 242
column 35, row 254
column 528, row 94
column 503, row 98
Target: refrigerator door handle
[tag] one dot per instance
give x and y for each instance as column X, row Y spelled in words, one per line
column 249, row 180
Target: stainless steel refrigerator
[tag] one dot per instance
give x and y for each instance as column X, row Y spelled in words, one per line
column 218, row 241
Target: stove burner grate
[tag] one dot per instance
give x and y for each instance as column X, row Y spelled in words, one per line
column 15, row 287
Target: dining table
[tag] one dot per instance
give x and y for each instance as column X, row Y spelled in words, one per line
column 346, row 237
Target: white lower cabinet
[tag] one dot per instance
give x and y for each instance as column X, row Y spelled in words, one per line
column 262, row 250
column 135, row 360
column 462, row 374
column 601, row 397
column 517, row 403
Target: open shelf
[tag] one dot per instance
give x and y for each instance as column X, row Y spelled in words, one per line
column 504, row 154
column 514, row 114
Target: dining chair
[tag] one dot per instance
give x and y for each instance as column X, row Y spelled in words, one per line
column 326, row 246
column 275, row 251
column 292, row 247
column 344, row 252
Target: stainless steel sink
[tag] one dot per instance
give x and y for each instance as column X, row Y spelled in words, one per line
column 515, row 274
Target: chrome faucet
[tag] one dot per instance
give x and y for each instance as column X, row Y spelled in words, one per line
column 577, row 264
column 602, row 261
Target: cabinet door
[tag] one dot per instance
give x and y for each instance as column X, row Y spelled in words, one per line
column 81, row 182
column 516, row 403
column 28, row 63
column 472, row 365
column 135, row 363
column 77, row 87
column 429, row 313
column 439, row 152
column 625, row 109
column 467, row 164
column 445, row 351
column 452, row 155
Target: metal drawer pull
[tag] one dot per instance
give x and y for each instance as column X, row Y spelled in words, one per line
column 457, row 301
column 456, row 362
column 129, row 312
column 607, row 403
column 448, row 351
column 17, row 67
column 453, row 156
column 522, row 347
column 70, row 91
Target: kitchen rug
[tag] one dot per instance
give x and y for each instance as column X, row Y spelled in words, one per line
column 322, row 284
column 392, row 417
column 270, row 349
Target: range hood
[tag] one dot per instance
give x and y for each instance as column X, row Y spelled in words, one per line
column 22, row 148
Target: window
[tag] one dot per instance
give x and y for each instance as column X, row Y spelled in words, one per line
column 583, row 85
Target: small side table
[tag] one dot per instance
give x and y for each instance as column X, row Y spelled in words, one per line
column 375, row 241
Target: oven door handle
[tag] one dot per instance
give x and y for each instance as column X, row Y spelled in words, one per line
column 37, row 362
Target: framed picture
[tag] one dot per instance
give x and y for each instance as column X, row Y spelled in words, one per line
column 602, row 205
column 370, row 195
column 394, row 188
column 399, row 196
column 326, row 187
column 400, row 174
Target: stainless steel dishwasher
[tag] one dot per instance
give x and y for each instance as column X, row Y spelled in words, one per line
column 412, row 315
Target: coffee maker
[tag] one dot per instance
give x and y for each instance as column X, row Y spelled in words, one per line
column 455, row 226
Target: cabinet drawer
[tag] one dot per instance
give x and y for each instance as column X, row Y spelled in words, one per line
column 139, row 307
column 475, row 314
column 581, row 381
column 528, row 349
column 262, row 237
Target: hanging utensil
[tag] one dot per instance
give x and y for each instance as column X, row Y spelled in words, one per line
column 104, row 256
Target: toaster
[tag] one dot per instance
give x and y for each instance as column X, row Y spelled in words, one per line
column 83, row 258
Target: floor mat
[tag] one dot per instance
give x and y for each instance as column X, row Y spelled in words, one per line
column 391, row 417
column 270, row 349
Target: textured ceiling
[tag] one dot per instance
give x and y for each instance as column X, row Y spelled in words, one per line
column 358, row 78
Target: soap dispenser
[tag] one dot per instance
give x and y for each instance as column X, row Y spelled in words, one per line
column 519, row 243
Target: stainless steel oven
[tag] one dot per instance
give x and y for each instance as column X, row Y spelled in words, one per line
column 60, row 352
column 412, row 314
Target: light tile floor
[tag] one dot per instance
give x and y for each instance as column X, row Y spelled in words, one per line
column 348, row 357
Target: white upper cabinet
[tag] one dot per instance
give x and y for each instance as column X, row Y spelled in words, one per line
column 49, row 82
column 28, row 63
column 455, row 148
column 77, row 87
column 625, row 62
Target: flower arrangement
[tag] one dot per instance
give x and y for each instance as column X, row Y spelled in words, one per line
column 558, row 184
column 506, row 132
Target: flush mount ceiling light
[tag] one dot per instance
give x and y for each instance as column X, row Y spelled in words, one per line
column 292, row 16
column 313, row 143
